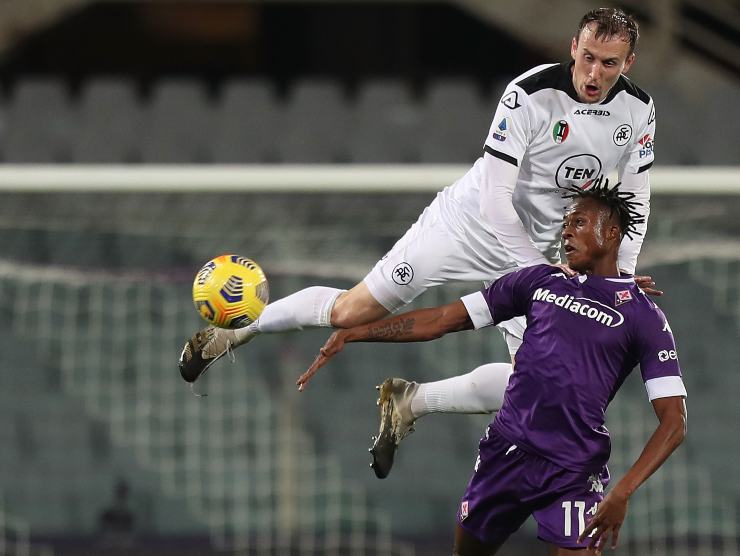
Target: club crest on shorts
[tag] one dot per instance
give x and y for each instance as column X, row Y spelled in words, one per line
column 622, row 297
column 463, row 510
column 402, row 274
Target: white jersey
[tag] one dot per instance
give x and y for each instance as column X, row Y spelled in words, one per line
column 506, row 212
column 554, row 140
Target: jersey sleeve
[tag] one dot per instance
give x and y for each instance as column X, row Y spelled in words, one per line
column 634, row 176
column 505, row 147
column 510, row 132
column 507, row 297
column 639, row 184
column 640, row 156
column 659, row 365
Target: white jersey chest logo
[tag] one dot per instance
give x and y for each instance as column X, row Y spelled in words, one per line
column 579, row 170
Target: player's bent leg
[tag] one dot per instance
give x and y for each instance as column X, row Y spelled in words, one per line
column 402, row 403
column 467, row 545
column 479, row 391
column 356, row 306
column 309, row 307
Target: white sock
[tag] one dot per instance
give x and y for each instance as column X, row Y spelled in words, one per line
column 309, row 307
column 479, row 391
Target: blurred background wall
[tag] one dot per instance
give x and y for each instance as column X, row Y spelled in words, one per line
column 104, row 448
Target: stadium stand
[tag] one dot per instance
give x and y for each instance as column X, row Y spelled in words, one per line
column 110, row 123
column 455, row 120
column 383, row 122
column 39, row 122
column 315, row 125
column 247, row 118
column 386, row 124
column 714, row 146
column 178, row 123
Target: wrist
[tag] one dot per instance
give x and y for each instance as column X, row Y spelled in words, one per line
column 345, row 335
column 622, row 491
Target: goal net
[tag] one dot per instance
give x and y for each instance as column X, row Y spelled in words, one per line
column 95, row 277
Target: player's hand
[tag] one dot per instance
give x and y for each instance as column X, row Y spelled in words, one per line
column 333, row 345
column 646, row 284
column 569, row 272
column 607, row 522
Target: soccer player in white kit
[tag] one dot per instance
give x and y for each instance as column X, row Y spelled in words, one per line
column 557, row 125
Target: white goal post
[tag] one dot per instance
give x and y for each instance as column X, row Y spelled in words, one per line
column 677, row 180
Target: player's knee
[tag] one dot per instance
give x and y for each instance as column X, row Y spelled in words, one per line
column 351, row 309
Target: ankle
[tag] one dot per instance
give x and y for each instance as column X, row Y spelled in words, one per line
column 244, row 335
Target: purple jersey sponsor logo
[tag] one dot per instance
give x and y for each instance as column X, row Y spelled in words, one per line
column 583, row 306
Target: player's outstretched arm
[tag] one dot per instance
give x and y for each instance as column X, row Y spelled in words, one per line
column 415, row 326
column 670, row 433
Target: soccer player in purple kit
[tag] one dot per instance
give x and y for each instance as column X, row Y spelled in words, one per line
column 545, row 453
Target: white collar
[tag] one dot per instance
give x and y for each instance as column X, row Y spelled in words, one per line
column 626, row 280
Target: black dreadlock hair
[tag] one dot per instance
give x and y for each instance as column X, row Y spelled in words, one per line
column 619, row 202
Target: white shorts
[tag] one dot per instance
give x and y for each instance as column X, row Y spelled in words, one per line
column 429, row 255
column 513, row 332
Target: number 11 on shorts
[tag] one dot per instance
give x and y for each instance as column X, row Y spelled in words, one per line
column 568, row 511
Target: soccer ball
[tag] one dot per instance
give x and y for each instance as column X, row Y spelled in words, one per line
column 230, row 291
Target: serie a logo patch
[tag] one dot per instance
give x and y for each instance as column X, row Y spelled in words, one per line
column 500, row 133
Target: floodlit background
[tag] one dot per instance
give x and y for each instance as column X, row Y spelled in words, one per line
column 139, row 139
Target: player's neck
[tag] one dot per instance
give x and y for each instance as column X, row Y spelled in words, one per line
column 606, row 267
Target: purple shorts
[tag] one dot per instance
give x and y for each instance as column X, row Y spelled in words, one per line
column 509, row 485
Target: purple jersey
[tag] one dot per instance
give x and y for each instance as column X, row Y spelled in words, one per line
column 584, row 336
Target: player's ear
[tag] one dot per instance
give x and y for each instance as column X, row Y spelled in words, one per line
column 614, row 233
column 574, row 47
column 628, row 63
